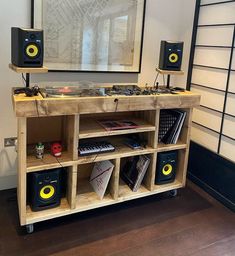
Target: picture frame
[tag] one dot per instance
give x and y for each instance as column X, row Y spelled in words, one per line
column 91, row 35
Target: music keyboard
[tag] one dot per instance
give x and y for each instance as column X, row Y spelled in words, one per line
column 90, row 148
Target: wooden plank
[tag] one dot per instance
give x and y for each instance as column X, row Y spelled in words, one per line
column 72, row 131
column 30, row 106
column 48, row 162
column 168, row 147
column 90, row 128
column 169, row 72
column 121, row 150
column 72, row 186
column 28, row 70
column 21, row 187
column 87, row 197
column 150, row 175
column 176, row 184
column 114, row 180
column 187, row 140
column 62, row 210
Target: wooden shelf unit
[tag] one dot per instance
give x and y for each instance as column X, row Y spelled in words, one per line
column 74, row 119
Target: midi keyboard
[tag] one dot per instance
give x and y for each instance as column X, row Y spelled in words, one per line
column 90, row 148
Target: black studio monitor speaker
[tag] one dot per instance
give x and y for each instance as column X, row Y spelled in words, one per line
column 26, row 47
column 171, row 54
column 44, row 189
column 166, row 167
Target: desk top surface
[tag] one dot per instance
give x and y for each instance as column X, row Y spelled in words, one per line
column 39, row 106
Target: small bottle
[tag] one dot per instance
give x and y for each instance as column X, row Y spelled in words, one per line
column 39, row 150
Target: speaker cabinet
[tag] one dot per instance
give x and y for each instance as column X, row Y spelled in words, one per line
column 171, row 55
column 26, row 47
column 166, row 167
column 44, row 189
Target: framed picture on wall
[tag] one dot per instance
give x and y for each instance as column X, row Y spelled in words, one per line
column 91, row 35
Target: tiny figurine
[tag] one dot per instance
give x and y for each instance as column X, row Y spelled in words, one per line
column 39, row 150
column 56, row 149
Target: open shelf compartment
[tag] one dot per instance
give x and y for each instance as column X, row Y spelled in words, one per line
column 183, row 135
column 86, row 197
column 121, row 149
column 180, row 171
column 66, row 202
column 91, row 127
column 48, row 130
column 125, row 192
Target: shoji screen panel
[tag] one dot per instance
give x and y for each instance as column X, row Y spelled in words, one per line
column 213, row 76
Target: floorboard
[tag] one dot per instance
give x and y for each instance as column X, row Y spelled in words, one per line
column 190, row 224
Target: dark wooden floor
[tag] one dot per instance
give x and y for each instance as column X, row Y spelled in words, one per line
column 189, row 224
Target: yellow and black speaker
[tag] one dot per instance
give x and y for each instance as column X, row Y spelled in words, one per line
column 26, row 47
column 171, row 54
column 44, row 189
column 166, row 167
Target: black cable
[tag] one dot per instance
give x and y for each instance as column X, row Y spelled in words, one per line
column 24, row 79
column 154, row 84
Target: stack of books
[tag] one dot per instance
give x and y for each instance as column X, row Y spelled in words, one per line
column 170, row 125
column 134, row 171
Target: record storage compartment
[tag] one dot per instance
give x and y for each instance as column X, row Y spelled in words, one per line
column 69, row 122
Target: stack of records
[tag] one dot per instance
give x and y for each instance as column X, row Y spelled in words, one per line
column 134, row 171
column 170, row 125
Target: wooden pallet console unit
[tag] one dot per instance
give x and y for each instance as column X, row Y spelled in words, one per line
column 73, row 119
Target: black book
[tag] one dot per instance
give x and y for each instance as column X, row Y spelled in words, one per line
column 134, row 170
column 166, row 122
column 176, row 128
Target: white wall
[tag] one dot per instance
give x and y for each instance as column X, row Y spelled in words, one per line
column 165, row 20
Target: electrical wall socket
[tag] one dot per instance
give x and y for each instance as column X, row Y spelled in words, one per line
column 10, row 142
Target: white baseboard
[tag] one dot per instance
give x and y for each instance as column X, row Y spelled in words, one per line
column 7, row 182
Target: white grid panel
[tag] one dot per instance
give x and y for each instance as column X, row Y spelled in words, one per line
column 211, row 1
column 233, row 61
column 227, row 148
column 213, row 78
column 205, row 137
column 229, row 127
column 217, row 14
column 230, row 106
column 232, row 82
column 210, row 98
column 208, row 118
column 216, row 57
column 219, row 36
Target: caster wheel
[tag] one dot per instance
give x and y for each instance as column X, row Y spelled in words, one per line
column 30, row 228
column 173, row 193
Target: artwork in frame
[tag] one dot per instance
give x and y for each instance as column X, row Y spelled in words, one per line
column 91, row 35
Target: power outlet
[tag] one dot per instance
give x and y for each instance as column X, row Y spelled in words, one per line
column 10, row 142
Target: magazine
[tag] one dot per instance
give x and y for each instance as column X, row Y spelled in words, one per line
column 100, row 177
column 111, row 125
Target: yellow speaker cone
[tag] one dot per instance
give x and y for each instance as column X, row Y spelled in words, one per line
column 47, row 192
column 167, row 169
column 32, row 50
column 173, row 58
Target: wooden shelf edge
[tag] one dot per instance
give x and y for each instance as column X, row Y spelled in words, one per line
column 169, row 72
column 169, row 147
column 64, row 209
column 28, row 69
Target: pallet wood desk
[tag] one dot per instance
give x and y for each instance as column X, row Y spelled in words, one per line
column 73, row 119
